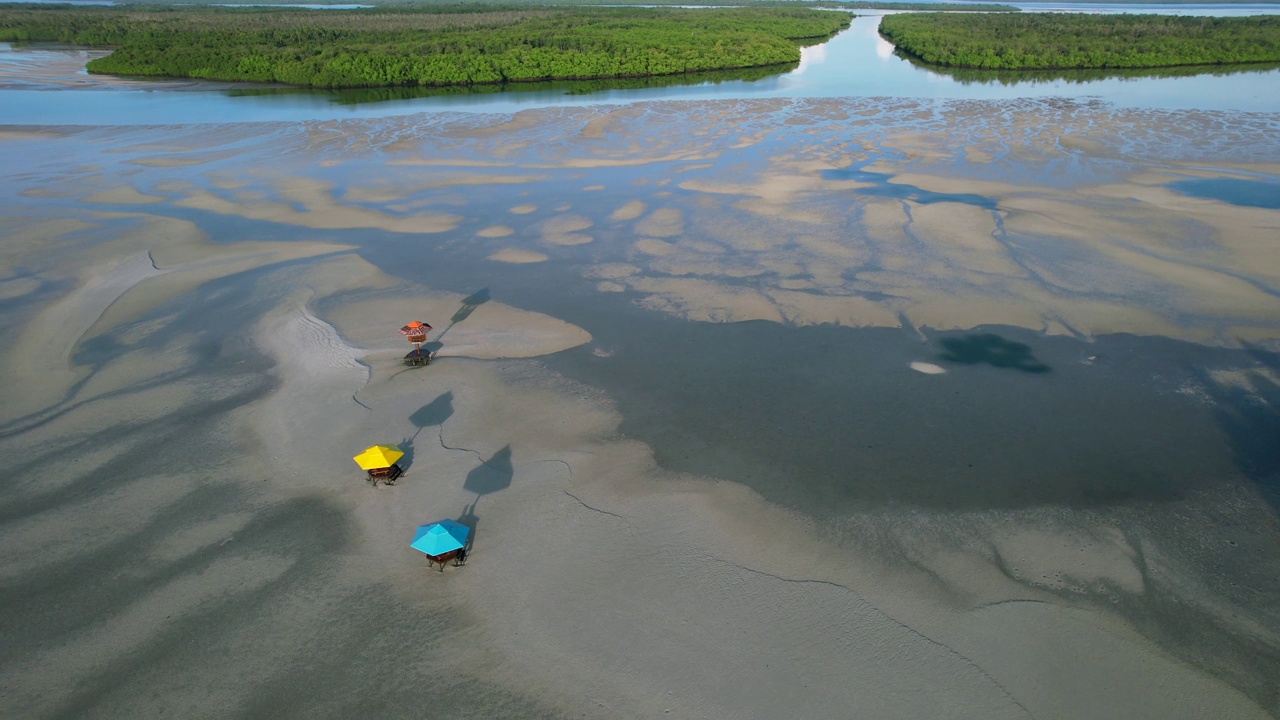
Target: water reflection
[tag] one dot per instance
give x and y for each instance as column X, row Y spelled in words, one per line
column 884, row 49
column 967, row 76
column 810, row 56
column 357, row 96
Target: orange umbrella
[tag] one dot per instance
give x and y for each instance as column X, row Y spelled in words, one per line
column 416, row 331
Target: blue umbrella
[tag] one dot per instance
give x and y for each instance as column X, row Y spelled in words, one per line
column 438, row 538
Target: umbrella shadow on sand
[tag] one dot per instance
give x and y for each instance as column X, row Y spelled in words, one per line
column 469, row 305
column 433, row 413
column 469, row 518
column 406, row 461
column 490, row 476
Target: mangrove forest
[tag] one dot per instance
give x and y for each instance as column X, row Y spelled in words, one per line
column 1048, row 41
column 423, row 46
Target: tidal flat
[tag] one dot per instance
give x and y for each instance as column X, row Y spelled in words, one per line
column 761, row 408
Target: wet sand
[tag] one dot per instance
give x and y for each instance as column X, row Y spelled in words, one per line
column 800, row 412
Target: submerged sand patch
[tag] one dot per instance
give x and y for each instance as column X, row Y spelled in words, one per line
column 14, row 135
column 18, row 287
column 564, row 230
column 802, row 308
column 518, row 256
column 612, row 270
column 495, row 231
column 705, row 300
column 391, row 192
column 662, row 223
column 566, row 224
column 156, row 260
column 650, row 246
column 568, row 239
column 56, row 331
column 319, row 209
column 632, row 210
column 122, row 196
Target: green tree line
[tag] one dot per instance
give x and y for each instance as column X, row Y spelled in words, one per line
column 1061, row 41
column 422, row 46
column 967, row 6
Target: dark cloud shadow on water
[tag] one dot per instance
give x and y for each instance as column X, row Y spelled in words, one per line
column 1250, row 418
column 491, row 475
column 990, row 349
column 831, row 420
column 469, row 305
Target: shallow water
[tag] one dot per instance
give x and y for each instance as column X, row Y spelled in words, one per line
column 1246, row 193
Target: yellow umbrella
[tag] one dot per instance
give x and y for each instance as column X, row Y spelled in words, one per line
column 378, row 456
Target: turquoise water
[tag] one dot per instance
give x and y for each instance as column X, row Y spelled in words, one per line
column 1247, row 193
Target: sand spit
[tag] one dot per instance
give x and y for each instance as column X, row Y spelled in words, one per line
column 320, row 378
column 471, row 327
